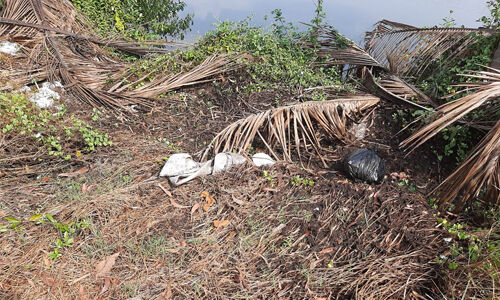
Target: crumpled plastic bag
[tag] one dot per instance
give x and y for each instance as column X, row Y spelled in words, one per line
column 365, row 164
column 262, row 160
column 180, row 168
column 224, row 161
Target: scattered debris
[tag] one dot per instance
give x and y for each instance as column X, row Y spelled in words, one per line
column 262, row 160
column 9, row 48
column 24, row 89
column 46, row 94
column 224, row 161
column 358, row 130
column 180, row 168
column 365, row 164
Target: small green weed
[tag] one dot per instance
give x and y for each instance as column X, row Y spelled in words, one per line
column 299, row 181
column 55, row 131
column 410, row 185
column 67, row 232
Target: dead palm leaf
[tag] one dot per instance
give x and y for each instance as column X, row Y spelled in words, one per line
column 212, row 66
column 335, row 50
column 455, row 110
column 480, row 172
column 394, row 89
column 292, row 126
column 408, row 50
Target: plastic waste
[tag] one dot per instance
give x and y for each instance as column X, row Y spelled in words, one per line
column 224, row 161
column 262, row 160
column 365, row 164
column 46, row 94
column 9, row 48
column 180, row 168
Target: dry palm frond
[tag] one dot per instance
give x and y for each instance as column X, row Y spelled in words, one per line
column 394, row 89
column 59, row 45
column 408, row 50
column 480, row 172
column 337, row 50
column 455, row 110
column 292, row 126
column 212, row 66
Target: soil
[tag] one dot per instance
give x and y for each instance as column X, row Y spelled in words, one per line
column 335, row 239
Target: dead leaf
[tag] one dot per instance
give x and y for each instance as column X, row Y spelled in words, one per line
column 75, row 173
column 139, row 179
column 344, row 181
column 326, row 251
column 220, row 224
column 46, row 262
column 172, row 201
column 177, row 205
column 84, row 188
column 164, row 190
column 105, row 288
column 195, row 208
column 105, row 265
column 210, row 200
column 45, row 179
column 167, row 294
column 2, row 213
column 48, row 280
column 31, row 283
column 230, row 235
column 82, row 293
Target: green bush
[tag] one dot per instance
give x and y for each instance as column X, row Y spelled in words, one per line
column 56, row 132
column 138, row 19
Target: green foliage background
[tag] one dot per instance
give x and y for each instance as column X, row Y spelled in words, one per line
column 137, row 19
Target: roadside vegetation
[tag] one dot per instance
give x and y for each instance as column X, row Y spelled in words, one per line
column 83, row 213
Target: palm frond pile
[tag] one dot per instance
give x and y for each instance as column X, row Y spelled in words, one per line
column 295, row 126
column 59, row 45
column 480, row 172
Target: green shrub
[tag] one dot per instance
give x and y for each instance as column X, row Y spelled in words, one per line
column 58, row 134
column 138, row 19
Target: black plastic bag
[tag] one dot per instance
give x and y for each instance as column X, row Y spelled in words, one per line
column 364, row 164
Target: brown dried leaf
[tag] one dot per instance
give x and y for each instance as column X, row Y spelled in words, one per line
column 326, row 251
column 177, row 205
column 105, row 288
column 220, row 224
column 75, row 173
column 82, row 293
column 45, row 179
column 210, row 200
column 105, row 265
column 195, row 208
column 48, row 280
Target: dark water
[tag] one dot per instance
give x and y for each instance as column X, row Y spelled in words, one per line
column 351, row 17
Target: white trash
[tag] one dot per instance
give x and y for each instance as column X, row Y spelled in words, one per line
column 179, row 164
column 181, row 168
column 224, row 161
column 9, row 48
column 262, row 160
column 46, row 95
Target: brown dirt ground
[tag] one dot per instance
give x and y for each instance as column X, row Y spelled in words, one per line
column 335, row 239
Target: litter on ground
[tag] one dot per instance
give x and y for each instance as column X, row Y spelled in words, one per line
column 180, row 168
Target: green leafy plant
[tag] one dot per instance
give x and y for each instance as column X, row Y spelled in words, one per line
column 54, row 130
column 299, row 181
column 410, row 185
column 67, row 232
column 138, row 19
